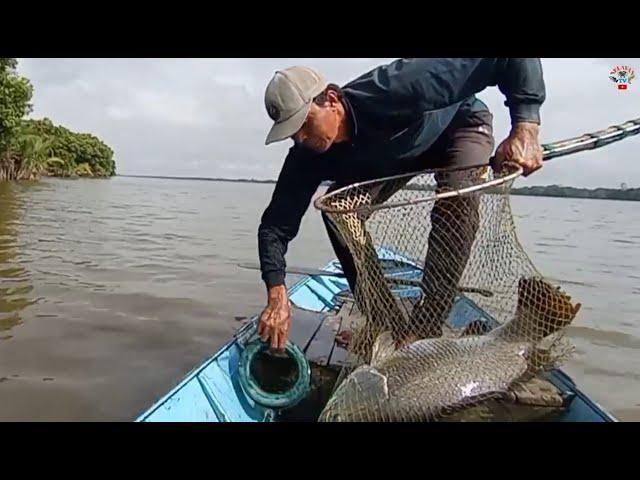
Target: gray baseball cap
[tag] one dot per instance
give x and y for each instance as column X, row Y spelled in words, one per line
column 288, row 99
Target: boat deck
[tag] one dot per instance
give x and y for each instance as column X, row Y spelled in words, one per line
column 212, row 391
column 314, row 333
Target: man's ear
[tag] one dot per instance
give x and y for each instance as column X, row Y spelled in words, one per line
column 332, row 97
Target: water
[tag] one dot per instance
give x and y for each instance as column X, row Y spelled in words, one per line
column 112, row 290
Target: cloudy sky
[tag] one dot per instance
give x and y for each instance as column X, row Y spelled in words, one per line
column 205, row 117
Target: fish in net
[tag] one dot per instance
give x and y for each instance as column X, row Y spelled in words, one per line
column 455, row 226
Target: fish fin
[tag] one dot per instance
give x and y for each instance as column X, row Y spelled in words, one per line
column 541, row 357
column 383, row 347
column 475, row 327
column 576, row 308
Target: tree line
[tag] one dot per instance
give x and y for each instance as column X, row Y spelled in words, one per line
column 30, row 148
column 573, row 192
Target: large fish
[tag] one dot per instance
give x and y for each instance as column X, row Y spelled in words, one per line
column 428, row 378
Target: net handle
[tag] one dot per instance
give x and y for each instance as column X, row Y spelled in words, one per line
column 318, row 203
column 587, row 141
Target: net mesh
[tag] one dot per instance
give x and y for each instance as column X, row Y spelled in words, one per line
column 420, row 243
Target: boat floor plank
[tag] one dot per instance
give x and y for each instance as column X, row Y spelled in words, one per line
column 323, row 343
column 304, row 326
column 338, row 357
column 347, row 314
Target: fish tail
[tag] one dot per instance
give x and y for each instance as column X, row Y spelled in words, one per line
column 542, row 310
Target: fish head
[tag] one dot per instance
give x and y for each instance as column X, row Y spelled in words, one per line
column 358, row 397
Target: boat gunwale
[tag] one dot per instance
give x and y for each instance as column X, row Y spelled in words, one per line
column 193, row 373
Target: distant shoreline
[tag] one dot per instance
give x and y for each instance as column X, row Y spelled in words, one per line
column 202, row 179
column 555, row 191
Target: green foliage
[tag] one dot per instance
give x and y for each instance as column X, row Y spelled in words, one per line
column 8, row 64
column 29, row 148
column 15, row 98
column 84, row 170
column 75, row 149
column 24, row 157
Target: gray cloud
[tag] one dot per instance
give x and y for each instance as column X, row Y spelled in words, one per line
column 205, row 117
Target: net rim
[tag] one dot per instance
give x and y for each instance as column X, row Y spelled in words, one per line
column 515, row 171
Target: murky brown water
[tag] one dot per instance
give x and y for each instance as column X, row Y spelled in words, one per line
column 112, row 290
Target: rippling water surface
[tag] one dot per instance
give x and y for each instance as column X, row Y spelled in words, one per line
column 112, row 290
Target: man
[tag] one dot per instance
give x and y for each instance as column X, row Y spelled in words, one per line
column 407, row 116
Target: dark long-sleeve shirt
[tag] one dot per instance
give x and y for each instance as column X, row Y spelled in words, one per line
column 397, row 111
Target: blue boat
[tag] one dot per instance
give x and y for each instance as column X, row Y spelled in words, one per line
column 219, row 389
column 227, row 387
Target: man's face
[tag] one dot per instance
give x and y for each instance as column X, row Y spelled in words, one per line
column 320, row 129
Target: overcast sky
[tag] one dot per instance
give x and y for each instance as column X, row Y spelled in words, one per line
column 206, row 117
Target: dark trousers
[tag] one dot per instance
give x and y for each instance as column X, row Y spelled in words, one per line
column 467, row 142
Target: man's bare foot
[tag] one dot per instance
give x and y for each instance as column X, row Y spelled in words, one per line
column 344, row 338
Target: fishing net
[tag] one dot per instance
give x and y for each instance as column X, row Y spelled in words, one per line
column 423, row 245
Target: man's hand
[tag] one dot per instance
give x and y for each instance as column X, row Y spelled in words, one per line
column 522, row 147
column 276, row 318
